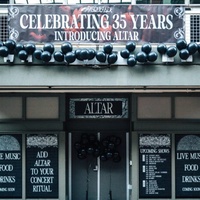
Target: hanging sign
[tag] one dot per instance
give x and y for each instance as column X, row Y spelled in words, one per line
column 155, row 166
column 11, row 166
column 98, row 108
column 96, row 23
column 42, row 166
column 187, row 166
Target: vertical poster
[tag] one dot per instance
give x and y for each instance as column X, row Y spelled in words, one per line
column 187, row 166
column 155, row 166
column 42, row 166
column 11, row 166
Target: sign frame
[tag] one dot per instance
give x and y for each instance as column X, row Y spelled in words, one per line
column 102, row 108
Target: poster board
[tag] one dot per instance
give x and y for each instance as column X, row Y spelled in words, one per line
column 154, row 166
column 42, row 166
column 11, row 166
column 187, row 163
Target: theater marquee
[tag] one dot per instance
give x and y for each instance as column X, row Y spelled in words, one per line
column 96, row 23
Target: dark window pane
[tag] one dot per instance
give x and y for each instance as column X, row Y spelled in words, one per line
column 4, row 1
column 177, row 2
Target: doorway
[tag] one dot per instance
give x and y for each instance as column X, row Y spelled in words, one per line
column 98, row 165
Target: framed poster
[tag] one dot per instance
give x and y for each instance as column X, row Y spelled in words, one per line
column 42, row 166
column 154, row 166
column 11, row 166
column 187, row 165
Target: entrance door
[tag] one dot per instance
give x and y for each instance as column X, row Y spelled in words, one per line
column 98, row 166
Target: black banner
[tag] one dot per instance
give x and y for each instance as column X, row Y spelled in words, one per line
column 42, row 166
column 96, row 23
column 11, row 166
column 187, row 166
column 154, row 166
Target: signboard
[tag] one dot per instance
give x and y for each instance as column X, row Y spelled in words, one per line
column 187, row 166
column 42, row 166
column 98, row 108
column 96, row 23
column 154, row 166
column 11, row 166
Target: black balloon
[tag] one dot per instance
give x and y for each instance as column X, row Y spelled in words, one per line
column 152, row 56
column 90, row 150
column 192, row 48
column 46, row 56
column 77, row 53
column 77, row 145
column 37, row 54
column 84, row 54
column 19, row 47
column 162, row 48
column 66, row 47
column 105, row 142
column 116, row 158
column 70, row 57
column 130, row 46
column 171, row 51
column 49, row 47
column 146, row 48
column 83, row 151
column 112, row 58
column 23, row 55
column 101, row 56
column 30, row 48
column 4, row 51
column 131, row 61
column 91, row 54
column 103, row 157
column 10, row 44
column 81, row 156
column 58, row 56
column 111, row 145
column 125, row 53
column 181, row 44
column 96, row 152
column 141, row 57
column 184, row 54
column 108, row 48
column 109, row 154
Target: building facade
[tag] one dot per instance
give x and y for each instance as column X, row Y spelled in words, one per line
column 94, row 129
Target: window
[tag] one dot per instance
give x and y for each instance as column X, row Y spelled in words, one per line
column 187, row 108
column 42, row 108
column 4, row 2
column 194, row 1
column 154, row 107
column 10, row 108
